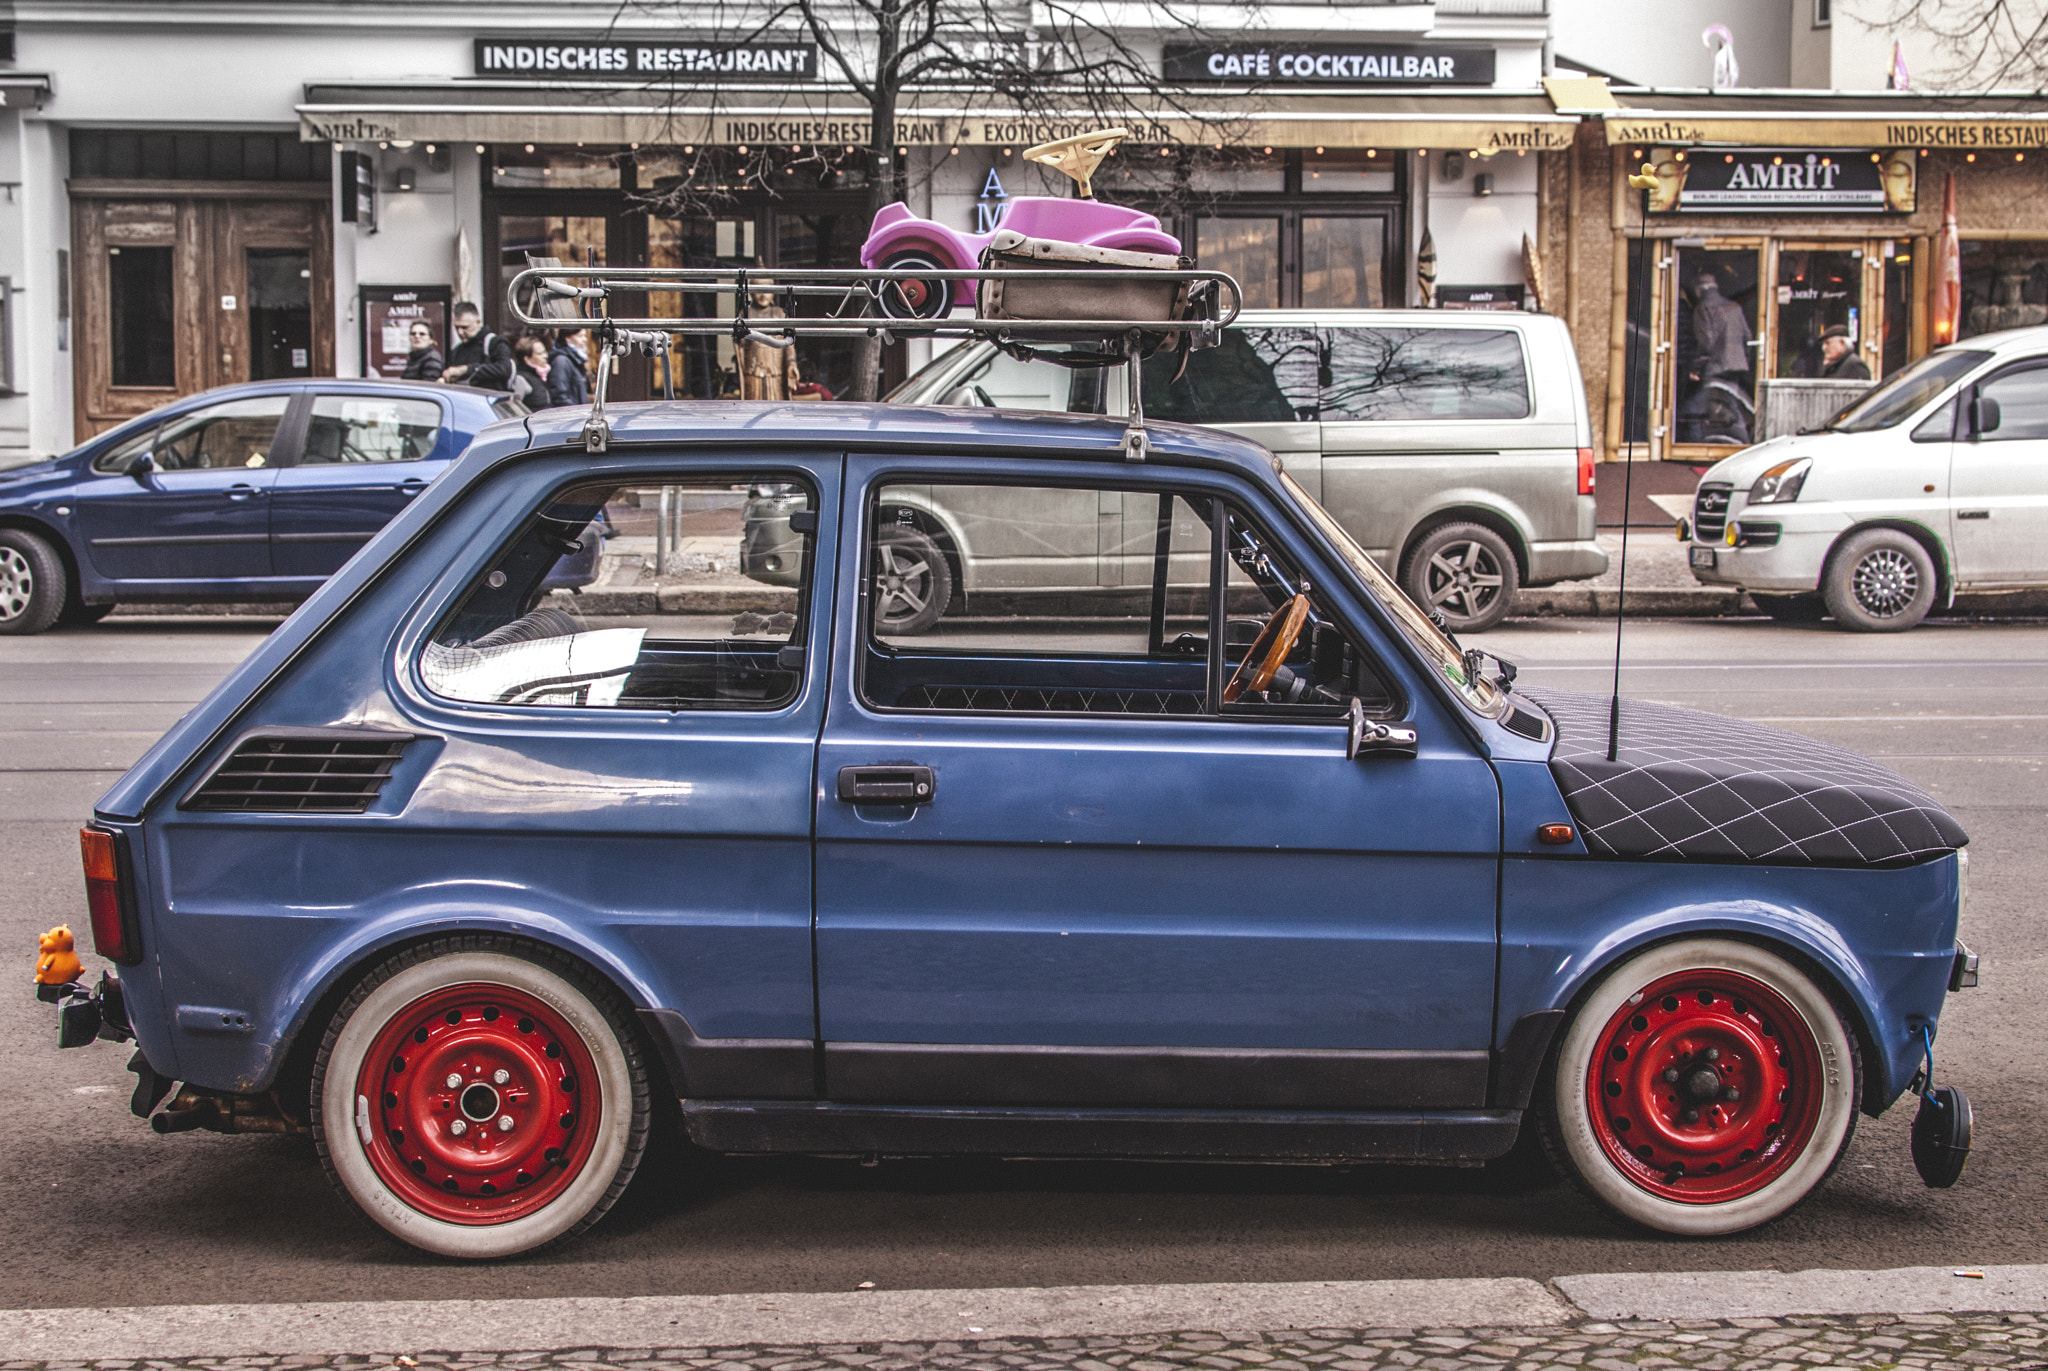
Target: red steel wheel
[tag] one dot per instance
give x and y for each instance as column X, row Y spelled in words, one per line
column 480, row 1097
column 480, row 1101
column 1704, row 1086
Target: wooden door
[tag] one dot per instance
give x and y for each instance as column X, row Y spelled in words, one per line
column 163, row 296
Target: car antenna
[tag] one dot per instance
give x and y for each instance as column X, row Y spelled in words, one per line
column 1643, row 182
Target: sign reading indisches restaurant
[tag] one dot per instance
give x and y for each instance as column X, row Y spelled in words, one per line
column 639, row 59
column 1329, row 64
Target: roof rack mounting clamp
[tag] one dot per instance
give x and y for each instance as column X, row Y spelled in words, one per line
column 597, row 431
column 1137, row 443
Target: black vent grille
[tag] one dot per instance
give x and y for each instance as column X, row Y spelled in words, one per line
column 1710, row 512
column 301, row 771
column 1527, row 723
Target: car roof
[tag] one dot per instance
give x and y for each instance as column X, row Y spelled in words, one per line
column 871, row 427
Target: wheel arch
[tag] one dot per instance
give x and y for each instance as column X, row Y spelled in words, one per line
column 1819, row 954
column 1486, row 516
column 1936, row 549
column 325, row 982
column 73, row 577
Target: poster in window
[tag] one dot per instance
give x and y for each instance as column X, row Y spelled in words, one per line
column 388, row 314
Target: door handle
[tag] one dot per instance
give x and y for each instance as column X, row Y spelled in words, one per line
column 242, row 491
column 892, row 783
column 411, row 486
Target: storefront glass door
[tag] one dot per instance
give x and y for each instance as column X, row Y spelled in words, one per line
column 1715, row 342
column 1820, row 287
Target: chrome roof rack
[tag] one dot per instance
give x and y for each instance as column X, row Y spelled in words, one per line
column 859, row 304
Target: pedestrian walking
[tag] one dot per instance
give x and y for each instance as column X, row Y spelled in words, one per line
column 569, row 368
column 530, row 381
column 482, row 358
column 424, row 362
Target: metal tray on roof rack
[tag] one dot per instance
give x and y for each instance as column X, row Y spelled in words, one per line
column 1196, row 306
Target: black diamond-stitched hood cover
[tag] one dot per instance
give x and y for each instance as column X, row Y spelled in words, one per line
column 1687, row 784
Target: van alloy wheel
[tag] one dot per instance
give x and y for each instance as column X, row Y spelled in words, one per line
column 477, row 1096
column 1879, row 580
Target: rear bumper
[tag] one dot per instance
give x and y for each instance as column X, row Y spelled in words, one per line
column 1569, row 561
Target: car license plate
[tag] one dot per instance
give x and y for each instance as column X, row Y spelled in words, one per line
column 1703, row 557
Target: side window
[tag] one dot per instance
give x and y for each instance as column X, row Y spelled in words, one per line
column 236, row 434
column 1003, row 382
column 1408, row 374
column 370, row 428
column 729, row 594
column 1090, row 600
column 2022, row 400
column 117, row 459
column 1254, row 376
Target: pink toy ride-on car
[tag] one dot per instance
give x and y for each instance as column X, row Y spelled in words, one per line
column 900, row 241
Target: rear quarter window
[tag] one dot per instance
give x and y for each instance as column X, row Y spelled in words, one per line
column 1425, row 374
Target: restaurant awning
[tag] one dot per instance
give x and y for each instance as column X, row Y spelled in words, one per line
column 1803, row 119
column 503, row 112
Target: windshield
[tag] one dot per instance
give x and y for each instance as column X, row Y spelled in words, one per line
column 1435, row 646
column 1906, row 394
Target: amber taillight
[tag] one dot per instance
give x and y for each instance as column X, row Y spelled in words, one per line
column 1585, row 471
column 113, row 924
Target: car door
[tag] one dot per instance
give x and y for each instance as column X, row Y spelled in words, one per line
column 1110, row 891
column 365, row 456
column 199, row 509
column 1998, row 479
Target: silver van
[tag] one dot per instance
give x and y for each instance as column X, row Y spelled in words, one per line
column 1456, row 448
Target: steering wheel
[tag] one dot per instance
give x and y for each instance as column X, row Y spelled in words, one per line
column 1276, row 639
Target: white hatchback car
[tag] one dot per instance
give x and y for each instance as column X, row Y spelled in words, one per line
column 1934, row 482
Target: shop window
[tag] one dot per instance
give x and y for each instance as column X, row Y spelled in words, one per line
column 825, row 366
column 1347, row 171
column 572, row 239
column 1248, row 250
column 280, row 304
column 1818, row 289
column 1233, row 172
column 2005, row 285
column 553, row 169
column 132, row 154
column 139, row 309
column 707, row 368
column 1343, row 262
column 1898, row 306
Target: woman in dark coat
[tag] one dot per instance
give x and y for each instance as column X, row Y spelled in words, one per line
column 424, row 362
column 569, row 369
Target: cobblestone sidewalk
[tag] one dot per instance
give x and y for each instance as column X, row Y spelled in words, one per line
column 1872, row 1342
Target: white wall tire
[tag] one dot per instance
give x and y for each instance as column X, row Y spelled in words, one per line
column 536, row 1034
column 1746, row 1147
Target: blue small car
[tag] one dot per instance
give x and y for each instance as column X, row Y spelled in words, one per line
column 254, row 492
column 1241, row 858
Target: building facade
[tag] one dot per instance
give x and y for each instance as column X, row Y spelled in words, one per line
column 229, row 190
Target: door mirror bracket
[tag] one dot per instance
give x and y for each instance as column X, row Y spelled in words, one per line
column 1374, row 738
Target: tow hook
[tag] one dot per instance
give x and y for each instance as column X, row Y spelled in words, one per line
column 83, row 1015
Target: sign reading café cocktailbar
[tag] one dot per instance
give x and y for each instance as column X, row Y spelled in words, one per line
column 643, row 59
column 1329, row 64
column 1739, row 180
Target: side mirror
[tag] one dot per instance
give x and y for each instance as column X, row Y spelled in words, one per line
column 142, row 466
column 1983, row 416
column 1372, row 738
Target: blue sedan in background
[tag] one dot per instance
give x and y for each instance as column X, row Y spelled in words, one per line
column 255, row 492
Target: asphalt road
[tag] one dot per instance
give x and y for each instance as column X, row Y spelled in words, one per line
column 102, row 1211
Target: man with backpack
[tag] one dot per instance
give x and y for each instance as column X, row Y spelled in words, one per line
column 482, row 358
